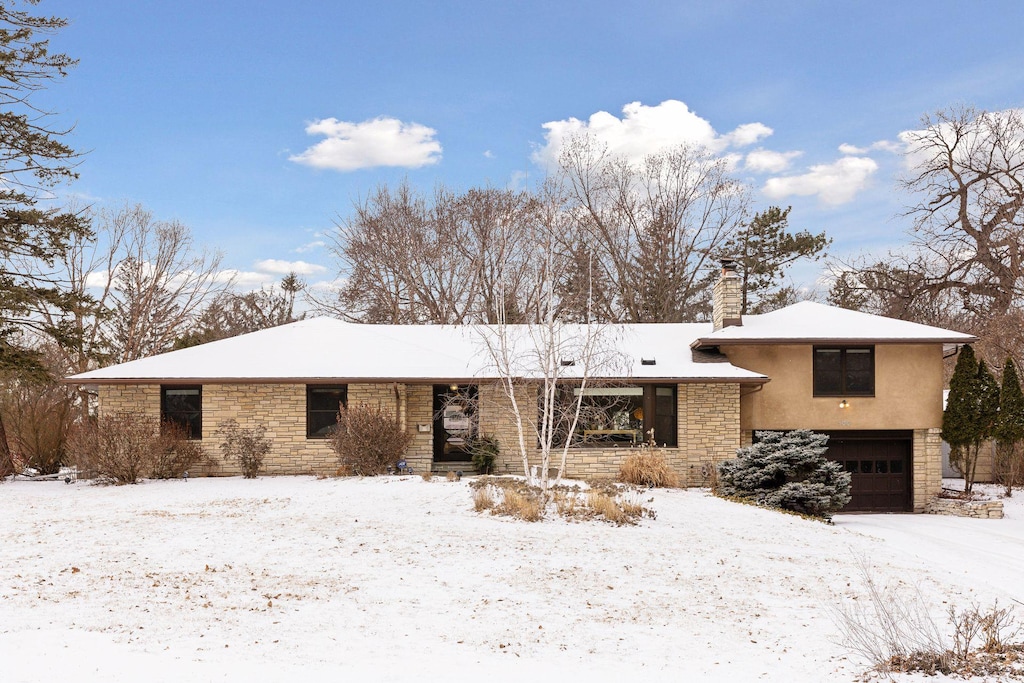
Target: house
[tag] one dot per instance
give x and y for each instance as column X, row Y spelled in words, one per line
column 873, row 384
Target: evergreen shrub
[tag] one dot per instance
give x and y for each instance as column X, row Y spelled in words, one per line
column 789, row 471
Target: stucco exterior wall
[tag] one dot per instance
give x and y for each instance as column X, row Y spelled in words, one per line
column 908, row 397
column 908, row 389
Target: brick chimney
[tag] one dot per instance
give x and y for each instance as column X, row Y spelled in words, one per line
column 727, row 298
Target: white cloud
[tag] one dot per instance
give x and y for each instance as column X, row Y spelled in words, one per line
column 378, row 142
column 280, row 267
column 310, row 246
column 767, row 161
column 834, row 183
column 244, row 279
column 644, row 130
column 849, row 149
column 488, row 154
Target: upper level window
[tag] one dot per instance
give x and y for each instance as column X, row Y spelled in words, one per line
column 322, row 406
column 844, row 371
column 183, row 406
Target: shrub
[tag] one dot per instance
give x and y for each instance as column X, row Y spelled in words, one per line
column 483, row 451
column 647, row 467
column 787, row 470
column 368, row 440
column 245, row 445
column 118, row 448
column 38, row 416
column 176, row 453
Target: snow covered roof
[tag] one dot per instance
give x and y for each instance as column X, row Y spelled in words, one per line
column 321, row 349
column 810, row 322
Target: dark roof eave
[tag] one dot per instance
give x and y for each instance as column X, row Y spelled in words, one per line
column 711, row 341
column 389, row 380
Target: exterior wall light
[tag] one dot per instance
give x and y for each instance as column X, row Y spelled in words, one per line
column 844, row 403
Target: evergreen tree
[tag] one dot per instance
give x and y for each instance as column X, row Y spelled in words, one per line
column 765, row 249
column 1009, row 426
column 970, row 414
column 32, row 160
column 787, row 470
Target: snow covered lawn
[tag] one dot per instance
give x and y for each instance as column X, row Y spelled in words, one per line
column 293, row 578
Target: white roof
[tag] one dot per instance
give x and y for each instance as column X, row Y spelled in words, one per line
column 808, row 322
column 321, row 349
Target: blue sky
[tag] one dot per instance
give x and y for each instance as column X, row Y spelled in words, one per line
column 200, row 110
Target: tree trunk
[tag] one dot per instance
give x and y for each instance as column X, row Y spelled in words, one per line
column 6, row 461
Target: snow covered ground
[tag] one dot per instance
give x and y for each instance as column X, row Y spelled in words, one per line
column 395, row 579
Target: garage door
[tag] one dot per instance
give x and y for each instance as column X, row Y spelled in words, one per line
column 880, row 466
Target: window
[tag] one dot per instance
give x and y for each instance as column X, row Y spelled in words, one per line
column 322, row 405
column 613, row 416
column 840, row 371
column 183, row 406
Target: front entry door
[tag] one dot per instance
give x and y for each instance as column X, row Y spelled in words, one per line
column 455, row 421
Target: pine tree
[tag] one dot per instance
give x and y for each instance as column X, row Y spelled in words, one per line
column 1009, row 426
column 970, row 414
column 764, row 249
column 787, row 470
column 32, row 160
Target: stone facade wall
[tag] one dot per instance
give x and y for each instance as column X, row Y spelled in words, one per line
column 708, row 426
column 130, row 398
column 707, row 423
column 281, row 408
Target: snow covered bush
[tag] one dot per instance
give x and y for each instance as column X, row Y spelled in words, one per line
column 118, row 448
column 787, row 470
column 368, row 440
column 245, row 445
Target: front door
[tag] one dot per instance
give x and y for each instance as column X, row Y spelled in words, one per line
column 455, row 421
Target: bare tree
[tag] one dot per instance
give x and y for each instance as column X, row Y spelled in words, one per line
column 968, row 176
column 653, row 227
column 407, row 258
column 160, row 282
column 137, row 285
column 963, row 267
column 536, row 361
column 230, row 314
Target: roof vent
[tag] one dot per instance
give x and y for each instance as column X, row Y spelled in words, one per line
column 648, row 361
column 568, row 363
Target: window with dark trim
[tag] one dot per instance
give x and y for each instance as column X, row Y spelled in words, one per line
column 844, row 371
column 183, row 406
column 618, row 415
column 322, row 405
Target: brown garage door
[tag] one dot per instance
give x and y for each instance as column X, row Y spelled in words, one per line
column 880, row 465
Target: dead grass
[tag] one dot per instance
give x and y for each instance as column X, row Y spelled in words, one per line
column 483, row 499
column 648, row 467
column 452, row 476
column 527, row 507
column 427, row 476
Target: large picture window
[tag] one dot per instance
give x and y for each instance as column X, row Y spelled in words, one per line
column 844, row 371
column 618, row 415
column 322, row 406
column 183, row 406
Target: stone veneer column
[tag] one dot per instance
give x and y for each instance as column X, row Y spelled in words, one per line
column 927, row 474
column 708, row 422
